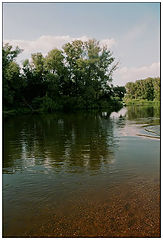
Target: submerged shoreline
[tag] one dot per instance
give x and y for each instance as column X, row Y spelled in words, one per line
column 133, row 211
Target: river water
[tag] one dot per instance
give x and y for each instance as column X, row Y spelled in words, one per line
column 82, row 174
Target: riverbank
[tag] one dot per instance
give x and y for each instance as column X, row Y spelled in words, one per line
column 141, row 102
column 113, row 106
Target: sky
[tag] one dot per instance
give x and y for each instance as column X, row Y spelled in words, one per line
column 131, row 32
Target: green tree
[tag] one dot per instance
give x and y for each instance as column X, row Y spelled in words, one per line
column 11, row 76
column 89, row 70
column 74, row 53
column 55, row 75
column 78, row 76
column 156, row 85
column 130, row 90
column 148, row 89
column 34, row 78
column 119, row 92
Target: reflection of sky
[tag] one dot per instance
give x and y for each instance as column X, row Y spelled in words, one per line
column 129, row 130
column 121, row 113
column 125, row 127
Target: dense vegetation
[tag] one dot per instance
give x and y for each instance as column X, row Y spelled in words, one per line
column 77, row 77
column 141, row 90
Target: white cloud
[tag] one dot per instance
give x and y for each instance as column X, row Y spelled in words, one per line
column 125, row 74
column 135, row 32
column 46, row 42
column 108, row 42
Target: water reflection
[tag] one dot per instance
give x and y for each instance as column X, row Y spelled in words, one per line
column 70, row 142
column 119, row 114
column 138, row 112
column 78, row 168
column 58, row 141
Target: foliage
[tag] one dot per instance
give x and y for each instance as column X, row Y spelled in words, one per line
column 119, row 92
column 147, row 89
column 12, row 83
column 75, row 77
column 78, row 76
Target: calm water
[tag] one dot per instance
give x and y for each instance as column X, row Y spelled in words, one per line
column 82, row 174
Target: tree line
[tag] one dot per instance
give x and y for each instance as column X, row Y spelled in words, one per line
column 77, row 76
column 147, row 89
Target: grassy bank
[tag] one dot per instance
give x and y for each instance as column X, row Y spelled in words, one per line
column 13, row 112
column 141, row 102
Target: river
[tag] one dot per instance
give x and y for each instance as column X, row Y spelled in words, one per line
column 82, row 174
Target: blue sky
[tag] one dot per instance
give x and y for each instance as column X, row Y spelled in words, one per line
column 131, row 31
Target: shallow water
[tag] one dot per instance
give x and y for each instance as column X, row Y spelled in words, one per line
column 82, row 174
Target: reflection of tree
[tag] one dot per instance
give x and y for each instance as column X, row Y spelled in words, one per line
column 72, row 141
column 157, row 112
column 121, row 122
column 135, row 112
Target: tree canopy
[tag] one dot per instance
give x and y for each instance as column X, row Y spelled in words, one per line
column 148, row 89
column 76, row 76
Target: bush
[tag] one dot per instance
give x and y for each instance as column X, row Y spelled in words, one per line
column 49, row 105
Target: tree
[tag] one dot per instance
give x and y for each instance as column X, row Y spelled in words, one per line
column 130, row 90
column 119, row 92
column 74, row 53
column 78, row 76
column 56, row 73
column 148, row 89
column 89, row 69
column 156, row 85
column 11, row 75
column 34, row 78
column 38, row 63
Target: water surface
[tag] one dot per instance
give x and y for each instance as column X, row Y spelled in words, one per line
column 82, row 174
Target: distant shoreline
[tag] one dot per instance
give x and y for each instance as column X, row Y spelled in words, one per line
column 141, row 102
